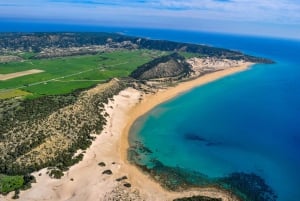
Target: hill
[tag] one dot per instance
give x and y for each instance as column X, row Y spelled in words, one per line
column 173, row 65
column 42, row 43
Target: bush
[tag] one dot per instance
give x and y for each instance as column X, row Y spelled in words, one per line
column 10, row 183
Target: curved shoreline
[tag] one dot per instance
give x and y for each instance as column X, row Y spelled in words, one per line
column 151, row 101
column 86, row 181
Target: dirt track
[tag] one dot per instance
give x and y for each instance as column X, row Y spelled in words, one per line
column 19, row 74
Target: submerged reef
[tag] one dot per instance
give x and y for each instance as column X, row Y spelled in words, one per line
column 198, row 198
column 247, row 186
column 252, row 186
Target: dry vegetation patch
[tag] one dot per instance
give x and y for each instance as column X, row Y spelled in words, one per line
column 12, row 93
column 48, row 131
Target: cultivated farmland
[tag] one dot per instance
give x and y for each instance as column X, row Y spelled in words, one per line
column 66, row 74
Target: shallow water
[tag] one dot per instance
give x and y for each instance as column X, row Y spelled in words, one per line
column 247, row 122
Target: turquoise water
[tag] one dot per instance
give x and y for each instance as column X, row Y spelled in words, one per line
column 242, row 130
column 244, row 123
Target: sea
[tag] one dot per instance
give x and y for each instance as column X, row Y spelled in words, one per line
column 241, row 132
column 247, row 123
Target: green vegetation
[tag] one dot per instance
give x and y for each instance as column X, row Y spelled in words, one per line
column 25, row 123
column 48, row 130
column 10, row 183
column 13, row 93
column 189, row 55
column 56, row 173
column 26, row 55
column 15, row 183
column 66, row 74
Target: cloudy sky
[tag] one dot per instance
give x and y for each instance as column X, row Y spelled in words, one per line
column 255, row 17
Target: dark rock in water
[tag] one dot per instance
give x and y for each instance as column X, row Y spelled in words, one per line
column 140, row 148
column 209, row 144
column 145, row 150
column 252, row 186
column 198, row 198
column 102, row 164
column 247, row 187
column 128, row 185
column 175, row 178
column 109, row 172
column 121, row 178
column 194, row 137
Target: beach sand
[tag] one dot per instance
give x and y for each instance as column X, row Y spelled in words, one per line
column 85, row 181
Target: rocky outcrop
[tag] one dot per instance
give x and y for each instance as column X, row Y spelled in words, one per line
column 169, row 66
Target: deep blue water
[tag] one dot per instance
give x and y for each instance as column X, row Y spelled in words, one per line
column 247, row 122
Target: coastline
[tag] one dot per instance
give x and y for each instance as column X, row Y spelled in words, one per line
column 151, row 101
column 86, row 181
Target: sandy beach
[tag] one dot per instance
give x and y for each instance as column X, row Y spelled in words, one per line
column 86, row 181
column 148, row 103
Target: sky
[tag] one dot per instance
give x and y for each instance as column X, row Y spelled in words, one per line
column 277, row 18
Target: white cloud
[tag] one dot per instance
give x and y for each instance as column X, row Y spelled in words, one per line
column 158, row 13
column 283, row 11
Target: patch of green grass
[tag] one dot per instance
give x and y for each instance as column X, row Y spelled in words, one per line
column 13, row 93
column 10, row 183
column 26, row 55
column 66, row 74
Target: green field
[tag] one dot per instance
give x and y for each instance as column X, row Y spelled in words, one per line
column 63, row 75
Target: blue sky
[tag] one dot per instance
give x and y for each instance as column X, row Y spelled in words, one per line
column 279, row 18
